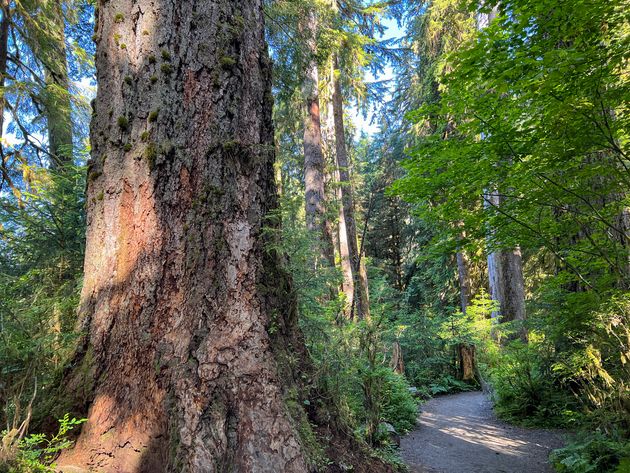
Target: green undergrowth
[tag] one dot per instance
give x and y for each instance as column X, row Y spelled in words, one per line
column 594, row 452
column 35, row 453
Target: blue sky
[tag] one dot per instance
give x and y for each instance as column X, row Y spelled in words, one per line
column 368, row 123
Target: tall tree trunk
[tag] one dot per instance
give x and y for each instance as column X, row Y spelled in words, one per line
column 360, row 301
column 314, row 164
column 464, row 280
column 346, row 262
column 57, row 104
column 397, row 244
column 347, row 284
column 505, row 275
column 193, row 344
column 505, row 267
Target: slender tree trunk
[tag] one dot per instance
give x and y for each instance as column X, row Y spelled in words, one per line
column 347, row 284
column 464, row 280
column 330, row 186
column 360, row 299
column 346, row 264
column 58, row 108
column 278, row 174
column 333, row 193
column 397, row 244
column 361, row 292
column 314, row 164
column 193, row 347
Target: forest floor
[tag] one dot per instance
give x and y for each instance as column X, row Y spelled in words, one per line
column 460, row 433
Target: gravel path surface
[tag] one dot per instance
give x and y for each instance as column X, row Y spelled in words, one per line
column 460, row 434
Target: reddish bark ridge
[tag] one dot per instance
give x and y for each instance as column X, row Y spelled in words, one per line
column 192, row 360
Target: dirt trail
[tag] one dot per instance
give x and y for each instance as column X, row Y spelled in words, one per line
column 460, row 434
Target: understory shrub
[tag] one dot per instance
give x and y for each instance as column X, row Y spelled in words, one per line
column 593, row 453
column 526, row 392
column 399, row 407
column 448, row 384
column 35, row 453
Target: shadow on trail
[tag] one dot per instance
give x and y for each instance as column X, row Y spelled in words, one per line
column 460, row 433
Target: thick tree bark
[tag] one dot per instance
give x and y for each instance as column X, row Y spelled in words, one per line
column 360, row 300
column 57, row 104
column 315, row 195
column 193, row 344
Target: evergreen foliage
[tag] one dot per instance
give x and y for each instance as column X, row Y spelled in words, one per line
column 42, row 243
column 531, row 108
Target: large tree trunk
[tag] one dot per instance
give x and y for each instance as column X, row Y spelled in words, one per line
column 57, row 104
column 505, row 275
column 359, row 303
column 193, row 345
column 315, row 195
column 510, row 285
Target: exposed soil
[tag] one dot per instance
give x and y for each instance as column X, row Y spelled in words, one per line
column 461, row 434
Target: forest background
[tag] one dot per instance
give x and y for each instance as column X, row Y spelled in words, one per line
column 477, row 236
